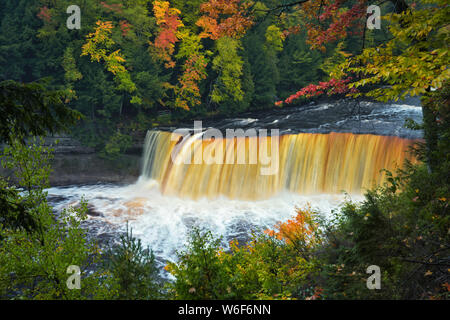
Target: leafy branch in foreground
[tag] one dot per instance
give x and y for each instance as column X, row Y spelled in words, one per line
column 413, row 61
column 34, row 261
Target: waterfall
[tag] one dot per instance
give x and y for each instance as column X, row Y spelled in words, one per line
column 309, row 163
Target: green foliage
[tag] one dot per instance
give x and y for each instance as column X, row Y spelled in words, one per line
column 34, row 262
column 268, row 267
column 200, row 274
column 133, row 269
column 118, row 144
column 19, row 25
column 331, row 64
column 228, row 64
column 413, row 60
column 402, row 233
column 261, row 50
column 37, row 245
column 31, row 110
column 274, row 38
column 298, row 66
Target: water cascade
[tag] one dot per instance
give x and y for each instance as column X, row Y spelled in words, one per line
column 308, row 163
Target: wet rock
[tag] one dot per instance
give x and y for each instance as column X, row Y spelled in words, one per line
column 55, row 199
column 93, row 212
column 190, row 221
column 240, row 230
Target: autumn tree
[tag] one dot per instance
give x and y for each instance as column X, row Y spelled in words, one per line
column 194, row 70
column 414, row 60
column 168, row 20
column 228, row 90
column 224, row 18
column 99, row 48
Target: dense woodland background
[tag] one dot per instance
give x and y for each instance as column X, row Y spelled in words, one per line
column 163, row 76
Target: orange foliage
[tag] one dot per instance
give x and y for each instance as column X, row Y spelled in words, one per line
column 168, row 21
column 215, row 25
column 112, row 7
column 331, row 20
column 188, row 91
column 300, row 229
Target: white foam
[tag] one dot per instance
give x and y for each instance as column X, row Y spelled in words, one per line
column 164, row 221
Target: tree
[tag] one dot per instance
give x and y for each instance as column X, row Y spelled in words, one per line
column 133, row 268
column 98, row 47
column 194, row 70
column 224, row 18
column 168, row 21
column 298, row 65
column 415, row 59
column 261, row 48
column 31, row 110
column 27, row 110
column 228, row 89
column 200, row 274
column 34, row 261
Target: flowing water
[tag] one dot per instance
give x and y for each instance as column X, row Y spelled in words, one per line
column 233, row 198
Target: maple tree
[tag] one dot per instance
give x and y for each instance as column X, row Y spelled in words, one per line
column 301, row 230
column 331, row 87
column 168, row 20
column 415, row 59
column 224, row 18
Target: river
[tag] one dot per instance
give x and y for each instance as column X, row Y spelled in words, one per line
column 327, row 152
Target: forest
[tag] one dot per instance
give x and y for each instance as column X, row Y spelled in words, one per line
column 138, row 65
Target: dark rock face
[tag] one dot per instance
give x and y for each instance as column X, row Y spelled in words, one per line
column 75, row 164
column 64, row 144
column 70, row 169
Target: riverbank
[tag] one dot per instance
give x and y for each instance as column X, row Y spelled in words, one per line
column 75, row 164
column 92, row 169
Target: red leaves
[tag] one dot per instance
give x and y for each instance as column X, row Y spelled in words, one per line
column 124, row 27
column 224, row 18
column 188, row 90
column 318, row 293
column 168, row 21
column 112, row 7
column 340, row 21
column 330, row 88
column 278, row 103
column 167, row 35
column 44, row 14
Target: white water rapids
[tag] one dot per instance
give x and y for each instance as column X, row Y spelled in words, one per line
column 163, row 222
